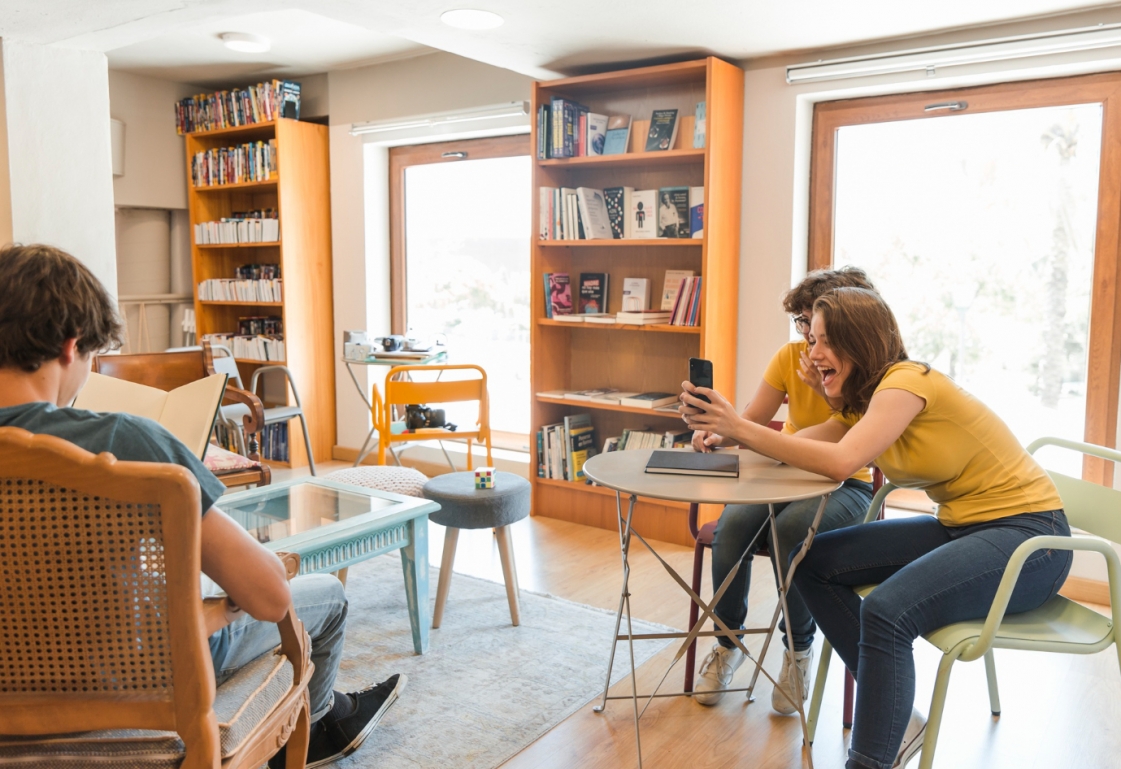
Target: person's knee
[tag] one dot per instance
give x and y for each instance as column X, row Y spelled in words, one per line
column 320, row 590
column 878, row 612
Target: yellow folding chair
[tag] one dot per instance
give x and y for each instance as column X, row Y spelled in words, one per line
column 401, row 391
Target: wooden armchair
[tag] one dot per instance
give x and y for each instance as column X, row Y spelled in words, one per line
column 105, row 659
column 168, row 370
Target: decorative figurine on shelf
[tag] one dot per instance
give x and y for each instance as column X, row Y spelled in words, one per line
column 484, row 478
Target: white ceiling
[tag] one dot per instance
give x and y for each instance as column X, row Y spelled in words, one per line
column 176, row 39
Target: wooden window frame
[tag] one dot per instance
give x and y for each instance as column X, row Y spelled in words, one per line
column 400, row 159
column 1103, row 374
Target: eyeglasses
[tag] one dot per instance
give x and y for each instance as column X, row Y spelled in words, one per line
column 801, row 323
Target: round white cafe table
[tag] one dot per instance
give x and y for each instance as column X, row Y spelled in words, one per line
column 761, row 481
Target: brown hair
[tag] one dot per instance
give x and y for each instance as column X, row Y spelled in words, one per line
column 820, row 282
column 861, row 328
column 46, row 297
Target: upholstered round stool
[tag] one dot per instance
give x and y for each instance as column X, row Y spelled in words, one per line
column 462, row 506
column 398, row 480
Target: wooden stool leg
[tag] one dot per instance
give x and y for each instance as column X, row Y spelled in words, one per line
column 341, row 574
column 451, row 537
column 509, row 573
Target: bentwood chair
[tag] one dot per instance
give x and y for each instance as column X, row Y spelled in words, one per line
column 1060, row 625
column 105, row 660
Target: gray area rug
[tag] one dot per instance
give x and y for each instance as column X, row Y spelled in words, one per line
column 485, row 689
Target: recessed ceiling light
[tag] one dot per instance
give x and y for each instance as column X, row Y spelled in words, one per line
column 245, row 42
column 468, row 18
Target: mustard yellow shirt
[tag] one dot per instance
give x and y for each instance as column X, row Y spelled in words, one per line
column 805, row 408
column 961, row 454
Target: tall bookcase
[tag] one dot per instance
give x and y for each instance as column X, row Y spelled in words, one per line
column 568, row 356
column 300, row 192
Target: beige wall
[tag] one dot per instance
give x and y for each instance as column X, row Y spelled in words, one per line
column 359, row 188
column 155, row 157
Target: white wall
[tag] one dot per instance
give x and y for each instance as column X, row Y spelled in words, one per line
column 360, row 188
column 155, row 155
column 59, row 171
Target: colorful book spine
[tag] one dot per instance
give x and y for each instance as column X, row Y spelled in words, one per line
column 261, row 103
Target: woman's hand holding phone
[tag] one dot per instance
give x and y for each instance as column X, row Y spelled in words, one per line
column 717, row 417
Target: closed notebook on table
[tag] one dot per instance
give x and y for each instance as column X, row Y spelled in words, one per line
column 716, row 464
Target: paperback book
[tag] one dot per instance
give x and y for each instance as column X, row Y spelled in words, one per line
column 650, row 400
column 593, row 293
column 596, row 133
column 618, row 202
column 699, row 127
column 673, row 212
column 580, row 437
column 672, row 286
column 617, row 135
column 642, row 218
column 697, row 212
column 663, row 130
column 592, row 209
column 558, row 294
column 636, row 294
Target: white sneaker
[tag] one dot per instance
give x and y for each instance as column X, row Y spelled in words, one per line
column 779, row 701
column 716, row 673
column 912, row 739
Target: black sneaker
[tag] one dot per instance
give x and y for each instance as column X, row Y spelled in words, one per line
column 333, row 738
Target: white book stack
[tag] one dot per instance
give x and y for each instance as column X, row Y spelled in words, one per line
column 233, row 231
column 234, row 290
column 265, row 348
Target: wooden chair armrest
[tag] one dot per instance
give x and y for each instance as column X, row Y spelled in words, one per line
column 255, row 421
column 291, row 563
column 295, row 645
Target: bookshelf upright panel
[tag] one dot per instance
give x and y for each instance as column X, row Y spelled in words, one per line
column 575, row 356
column 300, row 192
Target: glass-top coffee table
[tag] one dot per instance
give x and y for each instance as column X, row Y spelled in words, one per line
column 335, row 525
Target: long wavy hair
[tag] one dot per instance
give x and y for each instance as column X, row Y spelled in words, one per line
column 860, row 327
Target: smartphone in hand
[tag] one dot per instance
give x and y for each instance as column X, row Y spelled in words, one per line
column 700, row 375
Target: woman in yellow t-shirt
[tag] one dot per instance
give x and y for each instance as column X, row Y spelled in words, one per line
column 738, row 536
column 924, row 432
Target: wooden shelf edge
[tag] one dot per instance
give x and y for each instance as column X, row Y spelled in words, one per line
column 665, row 157
column 239, row 186
column 627, row 243
column 664, row 328
column 216, row 246
column 219, row 303
column 602, row 490
column 261, row 362
column 606, row 407
column 247, row 128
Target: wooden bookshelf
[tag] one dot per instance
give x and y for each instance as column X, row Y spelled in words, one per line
column 300, row 192
column 577, row 356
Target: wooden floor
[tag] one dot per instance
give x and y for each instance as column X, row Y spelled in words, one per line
column 1058, row 711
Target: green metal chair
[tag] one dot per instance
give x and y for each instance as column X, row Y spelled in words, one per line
column 1060, row 625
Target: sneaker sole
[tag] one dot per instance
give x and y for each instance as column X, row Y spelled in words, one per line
column 911, row 750
column 361, row 737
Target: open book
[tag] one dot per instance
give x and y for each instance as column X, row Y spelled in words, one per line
column 188, row 412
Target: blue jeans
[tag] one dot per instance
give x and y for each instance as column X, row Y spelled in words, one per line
column 739, row 523
column 321, row 605
column 929, row 576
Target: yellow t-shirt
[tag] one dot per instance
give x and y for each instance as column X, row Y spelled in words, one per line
column 805, row 408
column 961, row 454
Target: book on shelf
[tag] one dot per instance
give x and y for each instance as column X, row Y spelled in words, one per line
column 650, row 400
column 697, row 212
column 643, row 317
column 558, row 294
column 611, row 397
column 632, row 440
column 573, row 318
column 247, row 347
column 579, row 446
column 565, row 117
column 596, row 133
column 187, row 412
column 592, row 210
column 636, row 294
column 258, row 103
column 663, row 130
column 553, row 393
column 249, row 162
column 699, row 127
column 672, row 440
column 585, row 395
column 593, row 293
column 686, row 310
column 611, row 444
column 600, row 317
column 673, row 212
column 643, row 215
column 717, row 463
column 257, row 272
column 274, row 442
column 618, row 203
column 240, row 227
column 671, row 286
column 618, row 134
column 235, row 290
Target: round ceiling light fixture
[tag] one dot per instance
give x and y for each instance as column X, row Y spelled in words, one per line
column 245, row 42
column 469, row 18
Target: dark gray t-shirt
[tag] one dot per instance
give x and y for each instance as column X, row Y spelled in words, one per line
column 129, row 438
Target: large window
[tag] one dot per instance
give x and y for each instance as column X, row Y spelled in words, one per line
column 461, row 262
column 983, row 229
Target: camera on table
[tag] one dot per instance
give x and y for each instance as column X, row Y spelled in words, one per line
column 418, row 417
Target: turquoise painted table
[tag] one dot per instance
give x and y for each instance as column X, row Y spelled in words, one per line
column 333, row 526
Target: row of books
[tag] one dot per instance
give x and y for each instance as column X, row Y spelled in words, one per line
column 234, row 290
column 257, row 271
column 568, row 129
column 242, row 106
column 607, row 396
column 681, row 297
column 614, row 213
column 563, row 448
column 270, row 325
column 236, row 229
column 249, row 162
column 631, row 440
column 274, row 442
column 246, row 347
